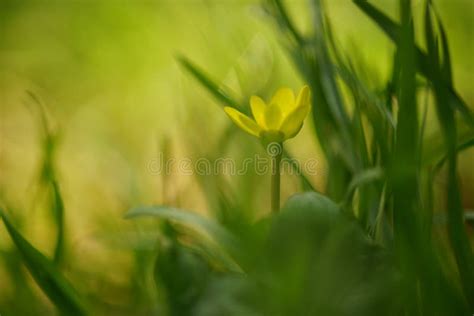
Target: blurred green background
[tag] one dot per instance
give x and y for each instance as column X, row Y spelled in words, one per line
column 108, row 76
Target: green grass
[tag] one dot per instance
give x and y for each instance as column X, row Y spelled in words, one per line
column 367, row 245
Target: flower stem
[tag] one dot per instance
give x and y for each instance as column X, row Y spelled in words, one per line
column 275, row 182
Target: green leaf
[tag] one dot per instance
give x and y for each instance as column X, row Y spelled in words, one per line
column 312, row 201
column 192, row 220
column 49, row 279
column 305, row 263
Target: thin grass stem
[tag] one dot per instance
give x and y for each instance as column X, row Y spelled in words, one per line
column 275, row 182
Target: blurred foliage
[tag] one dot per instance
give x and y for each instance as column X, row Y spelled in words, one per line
column 92, row 92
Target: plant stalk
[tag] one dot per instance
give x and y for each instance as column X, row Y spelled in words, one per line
column 275, row 182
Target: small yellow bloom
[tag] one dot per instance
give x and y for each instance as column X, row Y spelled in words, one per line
column 277, row 121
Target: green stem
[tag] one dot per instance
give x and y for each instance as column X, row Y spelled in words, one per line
column 275, row 183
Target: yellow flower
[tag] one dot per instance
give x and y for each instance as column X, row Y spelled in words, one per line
column 277, row 121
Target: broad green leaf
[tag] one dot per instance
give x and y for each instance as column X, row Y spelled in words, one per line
column 46, row 275
column 306, row 269
column 192, row 220
column 314, row 201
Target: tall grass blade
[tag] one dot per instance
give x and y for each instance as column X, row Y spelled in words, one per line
column 327, row 75
column 46, row 275
column 404, row 166
column 287, row 23
column 48, row 175
column 456, row 229
column 460, row 147
column 362, row 178
column 392, row 30
column 220, row 93
column 58, row 211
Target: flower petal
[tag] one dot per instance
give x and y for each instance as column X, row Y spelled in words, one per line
column 285, row 99
column 303, row 96
column 273, row 117
column 258, row 110
column 294, row 121
column 243, row 121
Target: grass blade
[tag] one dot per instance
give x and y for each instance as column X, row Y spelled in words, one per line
column 392, row 30
column 288, row 24
column 44, row 272
column 48, row 175
column 327, row 75
column 58, row 211
column 460, row 147
column 220, row 93
column 364, row 177
column 456, row 230
column 404, row 166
